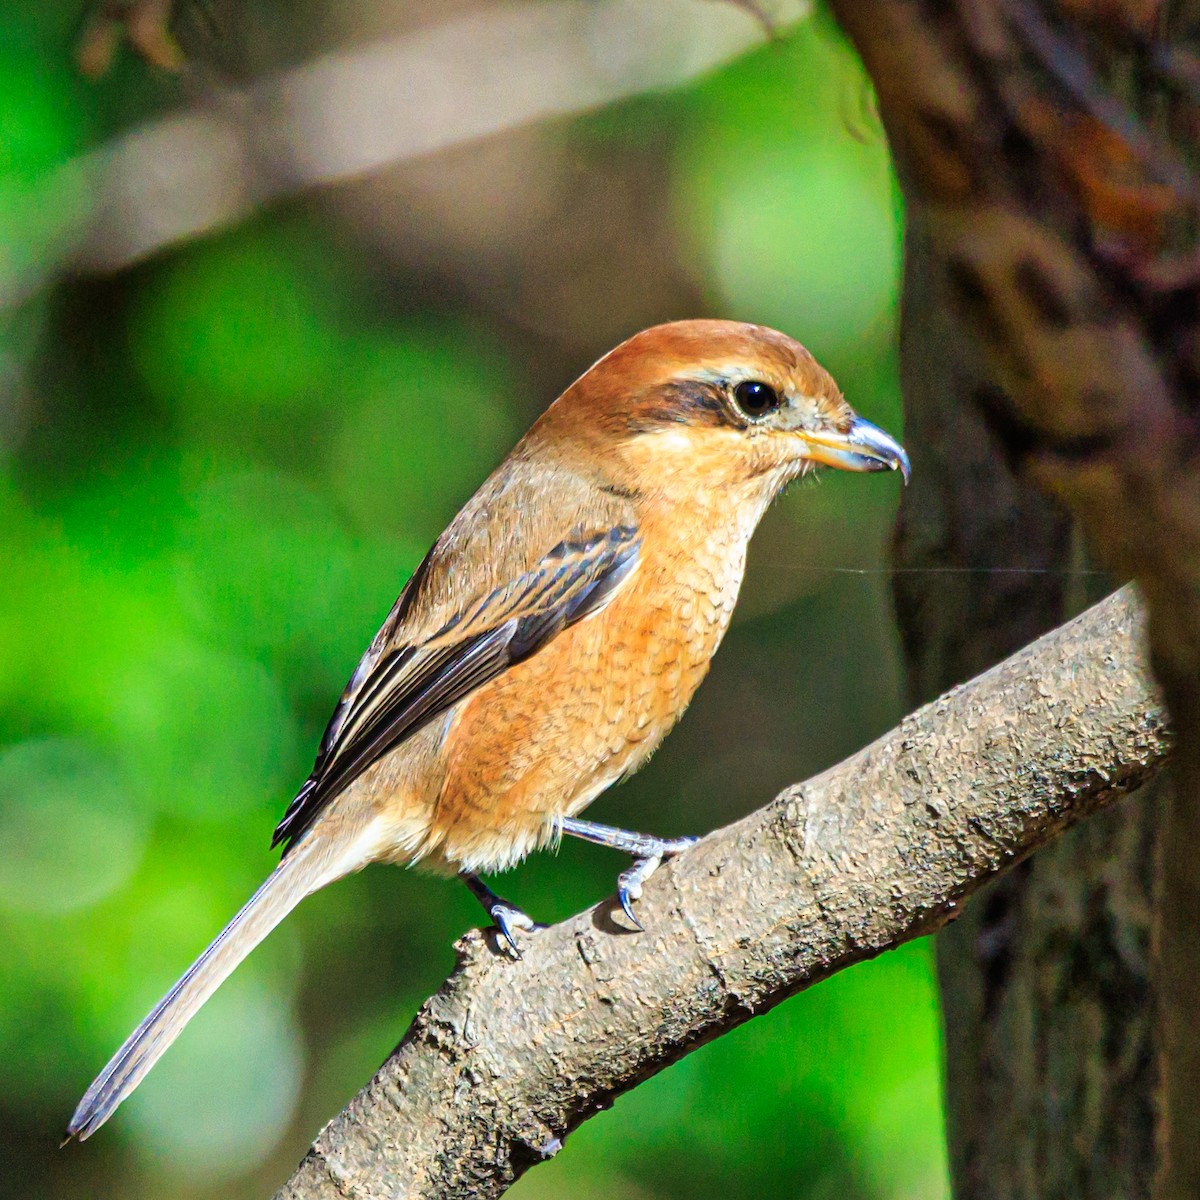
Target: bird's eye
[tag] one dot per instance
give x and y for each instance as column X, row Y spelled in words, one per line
column 755, row 399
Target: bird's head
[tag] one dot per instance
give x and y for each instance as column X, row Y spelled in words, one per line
column 713, row 405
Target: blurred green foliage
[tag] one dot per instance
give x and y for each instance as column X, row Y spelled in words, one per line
column 216, row 471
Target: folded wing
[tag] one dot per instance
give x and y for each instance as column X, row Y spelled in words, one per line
column 400, row 686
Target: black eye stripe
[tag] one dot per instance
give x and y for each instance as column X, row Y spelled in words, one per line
column 684, row 402
column 755, row 398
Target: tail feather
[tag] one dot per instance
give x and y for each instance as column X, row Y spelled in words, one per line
column 301, row 873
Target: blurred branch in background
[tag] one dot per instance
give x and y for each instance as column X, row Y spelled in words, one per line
column 356, row 110
column 509, row 1057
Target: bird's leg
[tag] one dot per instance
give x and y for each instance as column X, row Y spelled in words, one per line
column 648, row 853
column 507, row 917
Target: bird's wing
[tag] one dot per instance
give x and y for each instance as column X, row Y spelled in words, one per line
column 401, row 685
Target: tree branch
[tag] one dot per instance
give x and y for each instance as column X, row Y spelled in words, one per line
column 509, row 1057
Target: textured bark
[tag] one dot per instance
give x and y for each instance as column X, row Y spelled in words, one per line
column 1050, row 1070
column 1062, row 222
column 509, row 1057
column 1060, row 1002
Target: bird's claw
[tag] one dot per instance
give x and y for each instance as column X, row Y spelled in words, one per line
column 630, row 881
column 507, row 918
column 646, row 851
column 629, row 885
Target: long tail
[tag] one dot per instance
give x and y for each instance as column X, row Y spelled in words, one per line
column 308, row 867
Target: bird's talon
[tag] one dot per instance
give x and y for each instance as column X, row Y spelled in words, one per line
column 507, row 919
column 647, row 853
column 626, row 897
column 629, row 884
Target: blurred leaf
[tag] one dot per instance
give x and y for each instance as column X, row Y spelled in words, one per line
column 72, row 836
column 263, row 562
column 206, row 733
column 146, row 24
column 245, row 321
column 425, row 420
column 216, row 473
column 41, row 125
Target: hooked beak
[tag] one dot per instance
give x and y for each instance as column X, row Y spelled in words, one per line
column 863, row 447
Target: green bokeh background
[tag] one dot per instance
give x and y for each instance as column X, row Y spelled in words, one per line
column 216, row 471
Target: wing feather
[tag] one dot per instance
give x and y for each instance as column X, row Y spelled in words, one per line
column 397, row 689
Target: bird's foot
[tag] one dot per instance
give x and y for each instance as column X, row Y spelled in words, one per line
column 629, row 882
column 648, row 854
column 506, row 917
column 629, row 885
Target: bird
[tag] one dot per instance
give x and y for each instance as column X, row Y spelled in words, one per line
column 549, row 640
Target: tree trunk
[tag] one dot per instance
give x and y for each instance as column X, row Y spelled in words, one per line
column 1053, row 328
column 1049, row 1061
